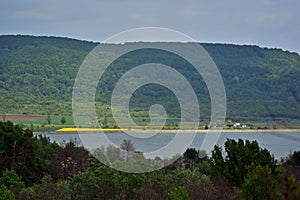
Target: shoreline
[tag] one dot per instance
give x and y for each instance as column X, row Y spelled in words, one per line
column 94, row 130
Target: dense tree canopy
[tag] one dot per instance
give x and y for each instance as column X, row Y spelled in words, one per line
column 68, row 171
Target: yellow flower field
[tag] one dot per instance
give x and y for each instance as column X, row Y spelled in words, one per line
column 87, row 129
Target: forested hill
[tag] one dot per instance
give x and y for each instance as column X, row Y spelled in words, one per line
column 37, row 75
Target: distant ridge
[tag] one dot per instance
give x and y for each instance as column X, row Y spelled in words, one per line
column 37, row 75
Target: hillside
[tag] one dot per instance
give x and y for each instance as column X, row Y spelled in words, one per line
column 37, row 76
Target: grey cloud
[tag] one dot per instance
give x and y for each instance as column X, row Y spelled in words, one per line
column 272, row 23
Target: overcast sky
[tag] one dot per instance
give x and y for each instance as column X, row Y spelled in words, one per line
column 267, row 23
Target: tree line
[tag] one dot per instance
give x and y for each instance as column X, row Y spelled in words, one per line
column 33, row 167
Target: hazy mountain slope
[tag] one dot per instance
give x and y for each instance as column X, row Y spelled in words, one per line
column 37, row 76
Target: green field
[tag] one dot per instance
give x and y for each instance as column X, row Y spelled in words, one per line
column 42, row 125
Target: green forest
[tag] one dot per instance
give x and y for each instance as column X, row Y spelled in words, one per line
column 33, row 167
column 37, row 76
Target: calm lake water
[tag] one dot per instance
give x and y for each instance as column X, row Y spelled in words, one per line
column 280, row 144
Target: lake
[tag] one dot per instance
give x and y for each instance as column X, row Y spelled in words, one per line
column 280, row 144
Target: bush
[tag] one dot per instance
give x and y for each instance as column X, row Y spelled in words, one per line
column 180, row 193
column 6, row 194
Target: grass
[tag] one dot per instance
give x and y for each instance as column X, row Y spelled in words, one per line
column 41, row 125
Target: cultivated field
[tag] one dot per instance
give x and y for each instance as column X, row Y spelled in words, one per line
column 18, row 117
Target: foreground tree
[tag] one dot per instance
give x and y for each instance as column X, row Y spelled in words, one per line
column 6, row 194
column 17, row 151
column 261, row 184
column 241, row 158
column 292, row 165
column 73, row 159
column 191, row 157
column 180, row 193
column 128, row 147
column 12, row 181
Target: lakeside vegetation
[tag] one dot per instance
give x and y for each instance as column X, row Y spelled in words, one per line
column 52, row 123
column 35, row 168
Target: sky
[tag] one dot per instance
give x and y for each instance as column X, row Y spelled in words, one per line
column 267, row 23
